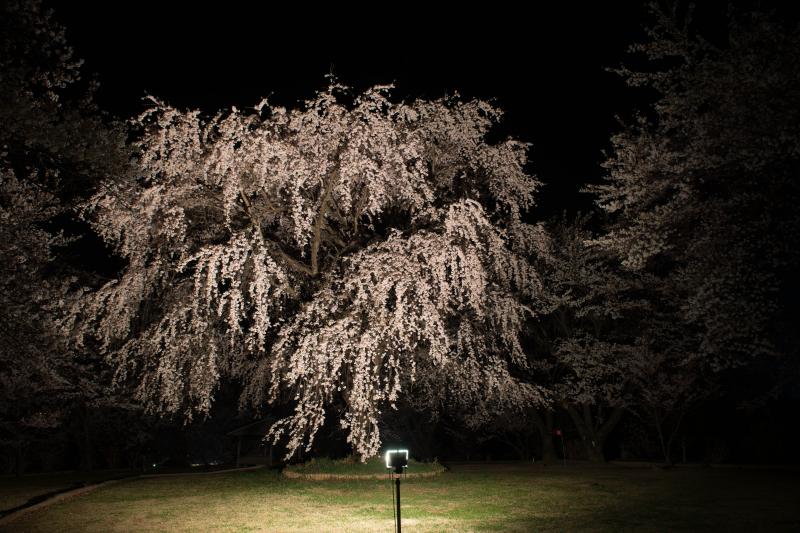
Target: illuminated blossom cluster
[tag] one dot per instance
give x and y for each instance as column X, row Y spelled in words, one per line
column 328, row 256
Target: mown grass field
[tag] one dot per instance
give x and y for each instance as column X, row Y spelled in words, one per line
column 16, row 491
column 517, row 498
column 352, row 466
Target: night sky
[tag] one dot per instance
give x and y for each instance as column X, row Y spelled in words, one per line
column 546, row 66
column 164, row 312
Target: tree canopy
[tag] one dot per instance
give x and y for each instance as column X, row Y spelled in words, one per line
column 331, row 255
column 703, row 192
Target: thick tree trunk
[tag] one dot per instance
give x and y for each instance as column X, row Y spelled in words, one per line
column 421, row 432
column 549, row 455
column 423, row 440
column 518, row 445
column 19, row 467
column 544, row 424
column 85, row 439
column 667, row 430
column 593, row 432
column 683, row 448
column 666, row 452
column 594, row 451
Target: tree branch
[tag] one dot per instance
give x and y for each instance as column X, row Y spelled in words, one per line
column 291, row 262
column 327, row 187
column 608, row 425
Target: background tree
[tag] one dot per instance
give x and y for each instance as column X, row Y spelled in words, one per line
column 334, row 257
column 665, row 390
column 30, row 364
column 55, row 142
column 702, row 192
column 587, row 342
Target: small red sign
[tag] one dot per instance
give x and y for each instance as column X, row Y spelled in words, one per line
column 557, row 432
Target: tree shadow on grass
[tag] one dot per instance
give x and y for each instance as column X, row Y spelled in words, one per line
column 711, row 501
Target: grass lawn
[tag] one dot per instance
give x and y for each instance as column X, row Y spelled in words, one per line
column 352, row 466
column 15, row 491
column 468, row 498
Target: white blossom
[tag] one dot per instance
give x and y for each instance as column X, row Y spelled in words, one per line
column 326, row 256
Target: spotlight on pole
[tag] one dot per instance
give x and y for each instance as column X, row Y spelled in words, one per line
column 397, row 461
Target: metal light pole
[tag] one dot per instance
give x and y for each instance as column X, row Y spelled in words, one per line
column 398, row 522
column 397, row 460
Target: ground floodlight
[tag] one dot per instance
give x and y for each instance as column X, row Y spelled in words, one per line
column 397, row 460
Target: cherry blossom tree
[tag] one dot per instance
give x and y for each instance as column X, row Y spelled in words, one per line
column 666, row 389
column 26, row 299
column 336, row 257
column 703, row 193
column 47, row 110
column 54, row 142
column 588, row 338
column 26, row 205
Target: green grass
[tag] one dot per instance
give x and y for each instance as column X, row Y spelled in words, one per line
column 518, row 498
column 15, row 491
column 353, row 466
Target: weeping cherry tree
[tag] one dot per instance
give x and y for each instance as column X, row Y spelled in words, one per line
column 333, row 257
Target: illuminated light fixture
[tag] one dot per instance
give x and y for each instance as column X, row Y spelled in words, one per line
column 397, row 459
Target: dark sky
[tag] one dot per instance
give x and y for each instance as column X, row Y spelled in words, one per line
column 543, row 65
